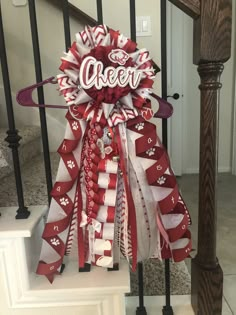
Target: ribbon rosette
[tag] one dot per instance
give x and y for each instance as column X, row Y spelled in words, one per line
column 115, row 190
column 102, row 68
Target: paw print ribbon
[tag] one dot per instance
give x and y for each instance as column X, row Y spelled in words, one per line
column 172, row 216
column 112, row 202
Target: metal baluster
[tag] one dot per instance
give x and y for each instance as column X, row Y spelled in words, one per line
column 167, row 309
column 42, row 113
column 132, row 20
column 164, row 67
column 13, row 138
column 99, row 12
column 141, row 310
column 66, row 20
column 100, row 21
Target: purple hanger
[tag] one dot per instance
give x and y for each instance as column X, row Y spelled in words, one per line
column 165, row 108
column 24, row 98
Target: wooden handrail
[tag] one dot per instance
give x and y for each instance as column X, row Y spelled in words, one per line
column 78, row 14
column 190, row 7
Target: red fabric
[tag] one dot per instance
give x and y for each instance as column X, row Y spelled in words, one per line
column 94, row 162
column 156, row 176
column 131, row 207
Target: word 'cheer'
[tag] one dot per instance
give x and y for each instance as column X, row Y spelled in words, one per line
column 92, row 74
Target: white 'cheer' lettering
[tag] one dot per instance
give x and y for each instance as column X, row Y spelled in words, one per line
column 111, row 77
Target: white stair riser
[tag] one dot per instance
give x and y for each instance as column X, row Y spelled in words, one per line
column 24, row 291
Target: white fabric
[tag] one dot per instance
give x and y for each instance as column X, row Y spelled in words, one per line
column 171, row 221
column 150, row 202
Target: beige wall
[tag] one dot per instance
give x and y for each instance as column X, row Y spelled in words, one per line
column 21, row 63
column 87, row 6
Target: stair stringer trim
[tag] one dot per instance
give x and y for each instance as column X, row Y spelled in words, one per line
column 13, row 269
column 16, row 274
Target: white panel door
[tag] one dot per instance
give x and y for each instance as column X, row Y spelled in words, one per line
column 175, row 24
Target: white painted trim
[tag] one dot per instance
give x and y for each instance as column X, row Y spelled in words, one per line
column 11, row 228
column 100, row 288
column 11, row 264
column 175, row 24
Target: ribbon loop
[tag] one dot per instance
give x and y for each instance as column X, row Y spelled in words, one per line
column 93, row 224
column 107, row 85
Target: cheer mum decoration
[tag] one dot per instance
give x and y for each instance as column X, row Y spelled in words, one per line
column 115, row 190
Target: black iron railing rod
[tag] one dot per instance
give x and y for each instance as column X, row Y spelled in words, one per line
column 132, row 10
column 13, row 138
column 164, row 67
column 167, row 309
column 141, row 310
column 99, row 12
column 42, row 114
column 140, row 281
column 66, row 20
column 167, row 281
column 6, row 80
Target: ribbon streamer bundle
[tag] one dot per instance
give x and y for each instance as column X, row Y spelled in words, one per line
column 115, row 190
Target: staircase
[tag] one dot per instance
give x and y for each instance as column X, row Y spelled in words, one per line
column 30, row 147
column 97, row 292
column 35, row 193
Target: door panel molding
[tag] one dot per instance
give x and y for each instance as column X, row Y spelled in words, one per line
column 175, row 38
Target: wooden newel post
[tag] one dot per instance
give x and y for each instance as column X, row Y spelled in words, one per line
column 207, row 275
column 212, row 47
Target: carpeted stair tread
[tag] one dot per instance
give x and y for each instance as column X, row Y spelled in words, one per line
column 30, row 146
column 154, row 278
